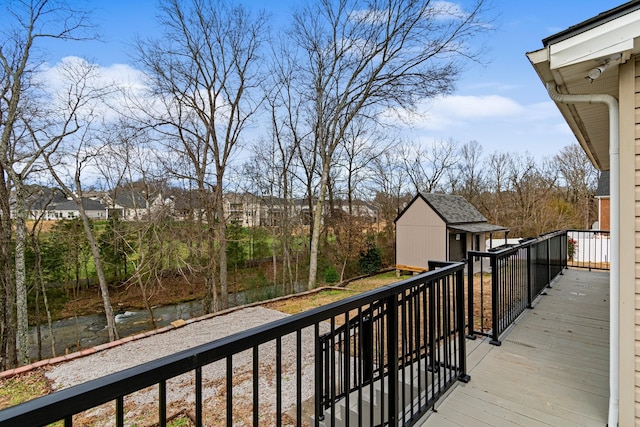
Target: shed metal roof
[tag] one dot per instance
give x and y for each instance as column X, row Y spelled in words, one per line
column 478, row 228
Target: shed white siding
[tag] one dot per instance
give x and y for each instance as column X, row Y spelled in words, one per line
column 421, row 235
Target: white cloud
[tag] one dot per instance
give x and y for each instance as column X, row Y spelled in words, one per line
column 478, row 107
column 495, row 86
column 460, row 110
column 447, row 10
column 118, row 81
column 117, row 75
column 499, row 123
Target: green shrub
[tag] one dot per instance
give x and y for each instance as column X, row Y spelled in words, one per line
column 331, row 275
column 370, row 258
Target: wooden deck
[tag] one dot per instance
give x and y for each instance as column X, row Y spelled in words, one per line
column 551, row 370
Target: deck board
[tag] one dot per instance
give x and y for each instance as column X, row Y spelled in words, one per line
column 552, row 367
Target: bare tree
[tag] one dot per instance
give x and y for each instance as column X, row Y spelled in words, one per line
column 531, row 188
column 29, row 22
column 39, row 199
column 127, row 163
column 361, row 58
column 359, row 147
column 427, row 166
column 497, row 182
column 388, row 181
column 348, row 217
column 205, row 68
column 579, row 179
column 71, row 158
column 469, row 178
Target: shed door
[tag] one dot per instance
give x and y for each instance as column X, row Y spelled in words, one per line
column 457, row 246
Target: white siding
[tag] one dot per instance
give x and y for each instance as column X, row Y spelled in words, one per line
column 637, row 253
column 421, row 236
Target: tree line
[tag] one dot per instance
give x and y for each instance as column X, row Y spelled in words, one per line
column 310, row 111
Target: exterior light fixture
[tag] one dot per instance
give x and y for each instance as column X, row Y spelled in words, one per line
column 596, row 72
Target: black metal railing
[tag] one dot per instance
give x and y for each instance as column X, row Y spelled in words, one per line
column 509, row 279
column 589, row 249
column 414, row 338
column 403, row 347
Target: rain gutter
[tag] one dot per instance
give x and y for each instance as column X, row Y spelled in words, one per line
column 614, row 278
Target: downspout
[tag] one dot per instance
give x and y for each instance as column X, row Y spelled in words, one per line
column 614, row 278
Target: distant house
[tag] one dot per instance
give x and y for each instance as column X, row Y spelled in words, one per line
column 40, row 203
column 359, row 208
column 440, row 227
column 244, row 209
column 187, row 204
column 247, row 210
column 69, row 209
column 602, row 194
column 132, row 205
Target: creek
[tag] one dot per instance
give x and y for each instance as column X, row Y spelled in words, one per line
column 76, row 333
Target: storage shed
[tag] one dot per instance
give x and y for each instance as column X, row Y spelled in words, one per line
column 439, row 227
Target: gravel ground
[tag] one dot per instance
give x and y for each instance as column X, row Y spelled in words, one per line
column 141, row 407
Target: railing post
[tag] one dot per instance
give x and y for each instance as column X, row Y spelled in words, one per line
column 462, row 349
column 431, row 328
column 548, row 241
column 529, row 284
column 589, row 252
column 120, row 411
column 470, row 297
column 392, row 358
column 563, row 252
column 367, row 349
column 319, row 352
column 494, row 301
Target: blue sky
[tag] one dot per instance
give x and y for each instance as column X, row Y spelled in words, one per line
column 502, row 105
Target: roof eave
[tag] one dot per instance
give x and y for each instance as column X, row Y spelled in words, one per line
column 566, row 60
column 541, row 63
column 594, row 22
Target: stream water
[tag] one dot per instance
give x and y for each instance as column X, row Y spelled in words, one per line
column 80, row 332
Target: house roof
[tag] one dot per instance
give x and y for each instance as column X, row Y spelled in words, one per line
column 603, row 185
column 87, row 204
column 568, row 57
column 453, row 209
column 591, row 23
column 45, row 197
column 130, row 199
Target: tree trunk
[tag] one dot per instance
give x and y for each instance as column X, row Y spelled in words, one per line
column 317, row 222
column 8, row 353
column 37, row 322
column 274, row 258
column 45, row 300
column 20, row 276
column 211, row 289
column 222, row 242
column 104, row 288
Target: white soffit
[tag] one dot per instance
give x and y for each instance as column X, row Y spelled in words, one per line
column 604, row 40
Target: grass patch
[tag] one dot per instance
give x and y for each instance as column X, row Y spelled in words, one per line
column 21, row 388
column 180, row 422
column 298, row 304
